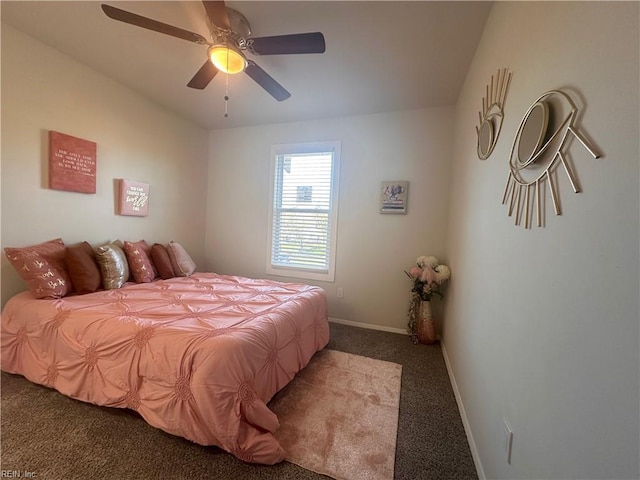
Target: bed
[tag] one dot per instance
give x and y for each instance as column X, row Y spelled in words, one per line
column 198, row 357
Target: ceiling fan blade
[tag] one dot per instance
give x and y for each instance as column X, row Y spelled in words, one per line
column 289, row 44
column 267, row 82
column 217, row 13
column 144, row 22
column 203, row 77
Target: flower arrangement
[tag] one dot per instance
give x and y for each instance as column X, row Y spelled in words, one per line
column 427, row 276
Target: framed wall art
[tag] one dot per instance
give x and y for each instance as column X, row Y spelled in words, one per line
column 393, row 196
column 72, row 163
column 133, row 198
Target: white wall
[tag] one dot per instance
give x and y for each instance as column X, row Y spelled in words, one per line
column 541, row 325
column 373, row 248
column 44, row 90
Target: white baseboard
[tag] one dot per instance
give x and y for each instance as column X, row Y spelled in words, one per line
column 368, row 325
column 463, row 414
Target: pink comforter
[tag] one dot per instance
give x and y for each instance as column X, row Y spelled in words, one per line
column 198, row 357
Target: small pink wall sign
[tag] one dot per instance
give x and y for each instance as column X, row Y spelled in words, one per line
column 72, row 163
column 134, row 198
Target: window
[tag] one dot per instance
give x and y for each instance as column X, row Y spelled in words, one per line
column 303, row 210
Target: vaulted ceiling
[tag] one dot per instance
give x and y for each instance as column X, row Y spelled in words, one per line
column 380, row 56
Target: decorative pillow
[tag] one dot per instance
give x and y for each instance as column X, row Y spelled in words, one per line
column 182, row 264
column 161, row 260
column 42, row 268
column 83, row 269
column 147, row 249
column 113, row 265
column 139, row 263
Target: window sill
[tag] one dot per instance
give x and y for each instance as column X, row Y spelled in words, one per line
column 300, row 273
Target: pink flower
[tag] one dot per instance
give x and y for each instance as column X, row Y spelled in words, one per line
column 428, row 275
column 415, row 272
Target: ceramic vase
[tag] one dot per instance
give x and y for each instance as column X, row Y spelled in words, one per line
column 425, row 328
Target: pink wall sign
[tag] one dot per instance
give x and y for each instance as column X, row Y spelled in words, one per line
column 72, row 163
column 134, row 198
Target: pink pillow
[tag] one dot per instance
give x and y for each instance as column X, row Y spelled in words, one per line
column 147, row 249
column 162, row 262
column 42, row 268
column 182, row 264
column 83, row 268
column 139, row 263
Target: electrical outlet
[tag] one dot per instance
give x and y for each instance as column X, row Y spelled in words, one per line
column 339, row 292
column 508, row 440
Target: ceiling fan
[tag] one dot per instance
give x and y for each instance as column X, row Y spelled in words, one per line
column 231, row 39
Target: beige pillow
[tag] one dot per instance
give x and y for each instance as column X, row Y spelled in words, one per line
column 182, row 264
column 113, row 265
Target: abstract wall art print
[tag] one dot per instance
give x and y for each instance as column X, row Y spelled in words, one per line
column 393, row 196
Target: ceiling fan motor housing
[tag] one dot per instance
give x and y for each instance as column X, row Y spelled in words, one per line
column 239, row 33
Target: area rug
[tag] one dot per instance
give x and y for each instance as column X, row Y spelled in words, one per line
column 339, row 416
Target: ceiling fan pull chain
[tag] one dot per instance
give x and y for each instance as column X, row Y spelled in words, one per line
column 226, row 97
column 226, row 88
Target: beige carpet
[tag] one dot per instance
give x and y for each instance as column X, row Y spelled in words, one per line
column 339, row 416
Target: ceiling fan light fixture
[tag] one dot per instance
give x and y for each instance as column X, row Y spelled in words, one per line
column 227, row 59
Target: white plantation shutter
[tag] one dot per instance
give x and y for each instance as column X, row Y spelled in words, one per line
column 303, row 210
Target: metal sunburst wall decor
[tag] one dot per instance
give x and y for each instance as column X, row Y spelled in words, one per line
column 538, row 148
column 492, row 113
